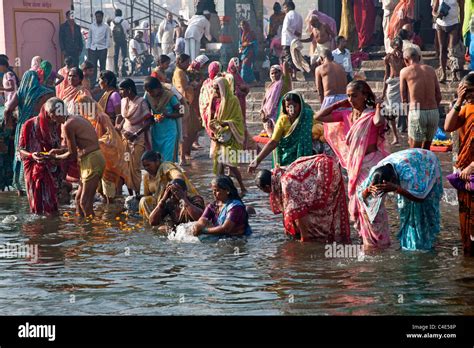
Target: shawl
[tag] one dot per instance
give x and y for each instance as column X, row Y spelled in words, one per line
column 299, row 140
column 237, row 81
column 274, row 92
column 159, row 104
column 229, row 111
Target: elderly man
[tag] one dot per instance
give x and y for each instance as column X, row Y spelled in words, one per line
column 82, row 144
column 419, row 85
column 166, row 32
column 322, row 35
column 198, row 26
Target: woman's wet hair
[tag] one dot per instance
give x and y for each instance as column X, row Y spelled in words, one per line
column 129, row 85
column 152, row 83
column 291, row 97
column 365, row 89
column 263, row 178
column 151, row 156
column 109, row 78
column 224, row 182
column 179, row 182
column 385, row 173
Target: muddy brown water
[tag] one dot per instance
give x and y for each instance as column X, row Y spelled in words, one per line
column 100, row 267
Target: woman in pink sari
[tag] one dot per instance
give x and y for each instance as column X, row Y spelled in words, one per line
column 354, row 130
column 280, row 85
column 207, row 92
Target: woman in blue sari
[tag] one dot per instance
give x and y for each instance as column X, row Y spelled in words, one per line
column 227, row 216
column 30, row 97
column 165, row 132
column 415, row 175
column 248, row 48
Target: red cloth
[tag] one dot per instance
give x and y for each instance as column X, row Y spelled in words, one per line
column 364, row 17
column 41, row 179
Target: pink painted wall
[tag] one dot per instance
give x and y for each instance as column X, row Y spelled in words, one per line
column 29, row 28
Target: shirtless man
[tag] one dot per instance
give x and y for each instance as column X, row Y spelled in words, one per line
column 82, row 143
column 321, row 38
column 394, row 63
column 419, row 85
column 331, row 80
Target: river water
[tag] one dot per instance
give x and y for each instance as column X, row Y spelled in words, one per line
column 103, row 267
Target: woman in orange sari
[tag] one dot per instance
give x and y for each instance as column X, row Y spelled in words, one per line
column 74, row 90
column 355, row 133
column 462, row 118
column 403, row 13
column 110, row 144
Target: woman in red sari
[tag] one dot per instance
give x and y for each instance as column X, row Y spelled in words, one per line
column 311, row 196
column 364, row 17
column 207, row 93
column 41, row 134
column 403, row 13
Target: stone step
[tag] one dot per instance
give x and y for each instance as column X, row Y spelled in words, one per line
column 380, row 65
column 376, row 85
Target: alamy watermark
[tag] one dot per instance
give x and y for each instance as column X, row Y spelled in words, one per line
column 227, row 155
column 19, row 251
column 344, row 251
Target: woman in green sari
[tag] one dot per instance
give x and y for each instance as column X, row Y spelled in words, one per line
column 292, row 136
column 227, row 130
column 30, row 97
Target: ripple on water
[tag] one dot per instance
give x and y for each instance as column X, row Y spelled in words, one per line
column 113, row 271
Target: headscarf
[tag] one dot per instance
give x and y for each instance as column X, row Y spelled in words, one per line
column 214, row 69
column 45, row 71
column 202, row 59
column 35, row 63
column 299, row 140
column 234, row 65
column 229, row 110
column 275, row 67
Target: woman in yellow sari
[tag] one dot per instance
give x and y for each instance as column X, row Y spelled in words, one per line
column 110, row 144
column 156, row 179
column 227, row 130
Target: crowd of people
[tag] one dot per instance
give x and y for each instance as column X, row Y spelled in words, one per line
column 62, row 129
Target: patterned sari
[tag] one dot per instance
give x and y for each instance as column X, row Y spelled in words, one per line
column 350, row 142
column 419, row 173
column 298, row 142
column 155, row 186
column 310, row 193
column 42, row 179
column 207, row 93
column 29, row 93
